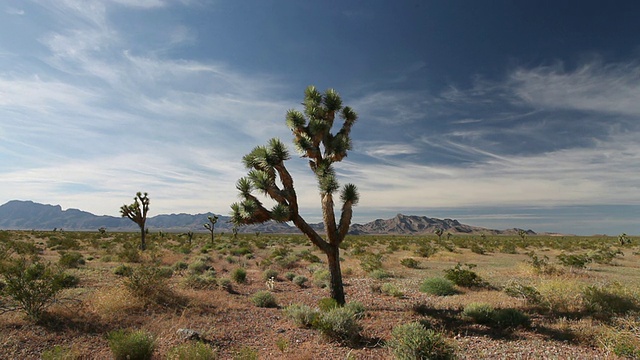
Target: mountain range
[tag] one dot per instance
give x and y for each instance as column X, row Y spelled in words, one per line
column 28, row 215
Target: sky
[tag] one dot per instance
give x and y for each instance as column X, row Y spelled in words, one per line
column 496, row 113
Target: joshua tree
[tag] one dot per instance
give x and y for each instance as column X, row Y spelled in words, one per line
column 211, row 225
column 137, row 212
column 313, row 139
column 623, row 239
column 522, row 234
column 439, row 232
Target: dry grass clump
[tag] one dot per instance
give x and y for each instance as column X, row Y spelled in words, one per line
column 114, row 302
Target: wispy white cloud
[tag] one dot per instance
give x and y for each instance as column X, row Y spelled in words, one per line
column 14, row 11
column 595, row 86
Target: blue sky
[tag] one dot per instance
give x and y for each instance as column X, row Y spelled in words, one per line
column 499, row 114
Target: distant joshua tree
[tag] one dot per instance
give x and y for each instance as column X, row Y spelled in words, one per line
column 439, row 232
column 268, row 175
column 137, row 212
column 211, row 225
column 522, row 234
column 623, row 239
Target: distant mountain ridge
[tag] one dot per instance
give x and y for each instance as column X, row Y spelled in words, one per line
column 28, row 215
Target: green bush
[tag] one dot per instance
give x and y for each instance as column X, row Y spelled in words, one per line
column 290, row 276
column 413, row 341
column 464, row 277
column 425, row 250
column 226, row 285
column 29, row 286
column 300, row 280
column 327, row 303
column 180, row 266
column 201, row 282
column 269, row 273
column 321, row 278
column 129, row 253
column 123, row 270
column 379, row 274
column 574, row 260
column 357, row 308
column 370, row 262
column 438, row 286
column 71, row 260
column 608, row 300
column 526, row 292
column 339, row 324
column 192, row 351
column 510, row 318
column 239, row 275
column 198, row 267
column 264, row 299
column 148, row 283
column 131, row 345
column 391, row 290
column 480, row 313
column 302, row 315
column 60, row 353
column 410, row 263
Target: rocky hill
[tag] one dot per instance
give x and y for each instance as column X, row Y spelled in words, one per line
column 28, row 215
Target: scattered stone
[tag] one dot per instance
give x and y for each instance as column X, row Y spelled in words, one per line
column 189, row 334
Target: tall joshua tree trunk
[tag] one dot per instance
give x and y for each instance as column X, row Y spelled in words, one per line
column 313, row 139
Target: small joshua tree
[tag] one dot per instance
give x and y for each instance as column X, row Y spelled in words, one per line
column 268, row 175
column 439, row 233
column 211, row 225
column 137, row 212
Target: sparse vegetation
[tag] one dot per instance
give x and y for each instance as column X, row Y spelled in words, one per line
column 590, row 311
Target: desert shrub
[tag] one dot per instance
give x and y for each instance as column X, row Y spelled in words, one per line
column 192, row 351
column 561, row 295
column 339, row 324
column 226, row 285
column 123, row 270
column 622, row 338
column 165, row 272
column 425, row 250
column 198, row 267
column 438, row 286
column 29, row 286
column 63, row 243
column 357, row 308
column 370, row 262
column 541, row 265
column 608, row 300
column 380, row 274
column 302, row 315
column 508, row 248
column 604, row 255
column 480, row 313
column 321, row 278
column 574, row 260
column 69, row 280
column 246, row 353
column 510, row 318
column 391, row 290
column 290, row 276
column 269, row 273
column 478, row 249
column 71, row 259
column 528, row 293
column 201, row 282
column 180, row 266
column 239, row 275
column 131, row 345
column 326, row 304
column 60, row 353
column 309, row 256
column 129, row 253
column 300, row 280
column 414, row 341
column 464, row 277
column 264, row 299
column 148, row 284
column 410, row 263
